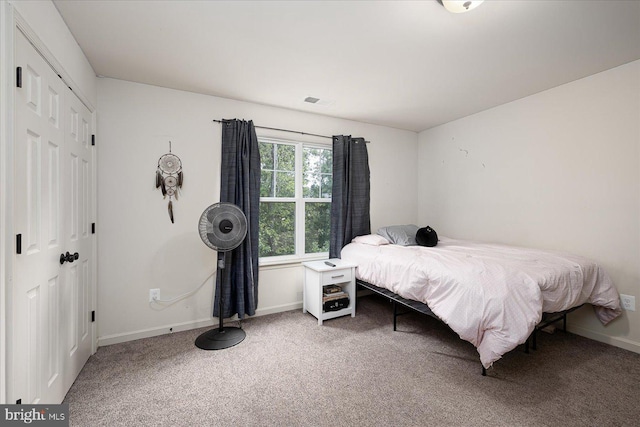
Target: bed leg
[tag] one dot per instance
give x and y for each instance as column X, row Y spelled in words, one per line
column 564, row 322
column 535, row 343
column 484, row 371
column 395, row 315
column 526, row 345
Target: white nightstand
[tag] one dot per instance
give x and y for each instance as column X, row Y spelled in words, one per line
column 318, row 274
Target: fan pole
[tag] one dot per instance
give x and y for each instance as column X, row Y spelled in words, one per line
column 221, row 338
column 222, row 259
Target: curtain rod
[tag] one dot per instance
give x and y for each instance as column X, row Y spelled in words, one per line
column 284, row 130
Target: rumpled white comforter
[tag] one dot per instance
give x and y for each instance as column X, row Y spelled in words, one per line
column 491, row 295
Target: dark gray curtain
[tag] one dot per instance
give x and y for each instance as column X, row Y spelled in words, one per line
column 240, row 185
column 350, row 194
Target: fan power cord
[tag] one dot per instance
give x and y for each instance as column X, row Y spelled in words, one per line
column 179, row 297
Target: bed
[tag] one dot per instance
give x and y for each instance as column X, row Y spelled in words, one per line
column 491, row 295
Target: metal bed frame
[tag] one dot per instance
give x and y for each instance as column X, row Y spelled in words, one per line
column 419, row 307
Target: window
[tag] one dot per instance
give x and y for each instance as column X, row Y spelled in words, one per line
column 295, row 199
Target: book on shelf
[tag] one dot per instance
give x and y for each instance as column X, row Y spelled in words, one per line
column 331, row 289
column 337, row 295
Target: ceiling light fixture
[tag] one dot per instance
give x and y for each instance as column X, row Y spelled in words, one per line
column 460, row 6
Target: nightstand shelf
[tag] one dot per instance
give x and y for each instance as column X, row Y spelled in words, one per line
column 317, row 274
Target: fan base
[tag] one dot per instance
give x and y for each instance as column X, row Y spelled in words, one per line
column 217, row 339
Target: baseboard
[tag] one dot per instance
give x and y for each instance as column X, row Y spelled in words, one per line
column 153, row 332
column 279, row 308
column 614, row 341
column 186, row 326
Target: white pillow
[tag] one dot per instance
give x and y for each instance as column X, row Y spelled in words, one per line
column 371, row 239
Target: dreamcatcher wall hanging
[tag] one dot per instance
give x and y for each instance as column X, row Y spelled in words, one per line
column 169, row 177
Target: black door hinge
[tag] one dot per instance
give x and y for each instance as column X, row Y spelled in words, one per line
column 93, row 228
column 19, row 77
column 18, row 244
column 19, row 402
column 93, row 140
column 93, row 316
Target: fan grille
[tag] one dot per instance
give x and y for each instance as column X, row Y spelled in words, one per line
column 223, row 226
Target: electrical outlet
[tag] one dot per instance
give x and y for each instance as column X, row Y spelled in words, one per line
column 628, row 302
column 154, row 294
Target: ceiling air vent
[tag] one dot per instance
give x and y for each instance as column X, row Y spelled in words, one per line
column 318, row 101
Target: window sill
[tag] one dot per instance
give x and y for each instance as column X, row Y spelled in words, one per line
column 290, row 262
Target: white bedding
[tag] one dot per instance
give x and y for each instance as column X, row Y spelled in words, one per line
column 491, row 295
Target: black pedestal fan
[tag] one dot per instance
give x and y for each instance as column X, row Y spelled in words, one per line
column 222, row 227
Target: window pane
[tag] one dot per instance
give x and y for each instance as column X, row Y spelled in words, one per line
column 326, row 164
column 277, row 163
column 266, row 183
column 285, row 157
column 311, row 159
column 317, row 164
column 311, row 186
column 285, row 184
column 326, row 183
column 266, row 155
column 277, row 229
column 317, row 227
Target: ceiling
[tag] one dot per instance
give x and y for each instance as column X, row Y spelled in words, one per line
column 405, row 64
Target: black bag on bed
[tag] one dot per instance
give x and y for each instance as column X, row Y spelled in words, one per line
column 427, row 236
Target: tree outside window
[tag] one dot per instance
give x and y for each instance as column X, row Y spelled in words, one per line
column 295, row 198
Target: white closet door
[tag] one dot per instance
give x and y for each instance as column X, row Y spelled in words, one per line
column 77, row 173
column 50, row 310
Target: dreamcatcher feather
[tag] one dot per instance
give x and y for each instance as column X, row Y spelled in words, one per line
column 169, row 178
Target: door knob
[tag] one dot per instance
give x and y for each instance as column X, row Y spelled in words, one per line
column 69, row 257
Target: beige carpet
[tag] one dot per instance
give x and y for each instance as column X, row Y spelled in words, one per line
column 355, row 372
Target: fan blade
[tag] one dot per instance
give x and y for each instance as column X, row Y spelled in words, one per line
column 171, row 211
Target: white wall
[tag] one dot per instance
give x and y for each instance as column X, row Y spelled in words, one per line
column 557, row 170
column 139, row 248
